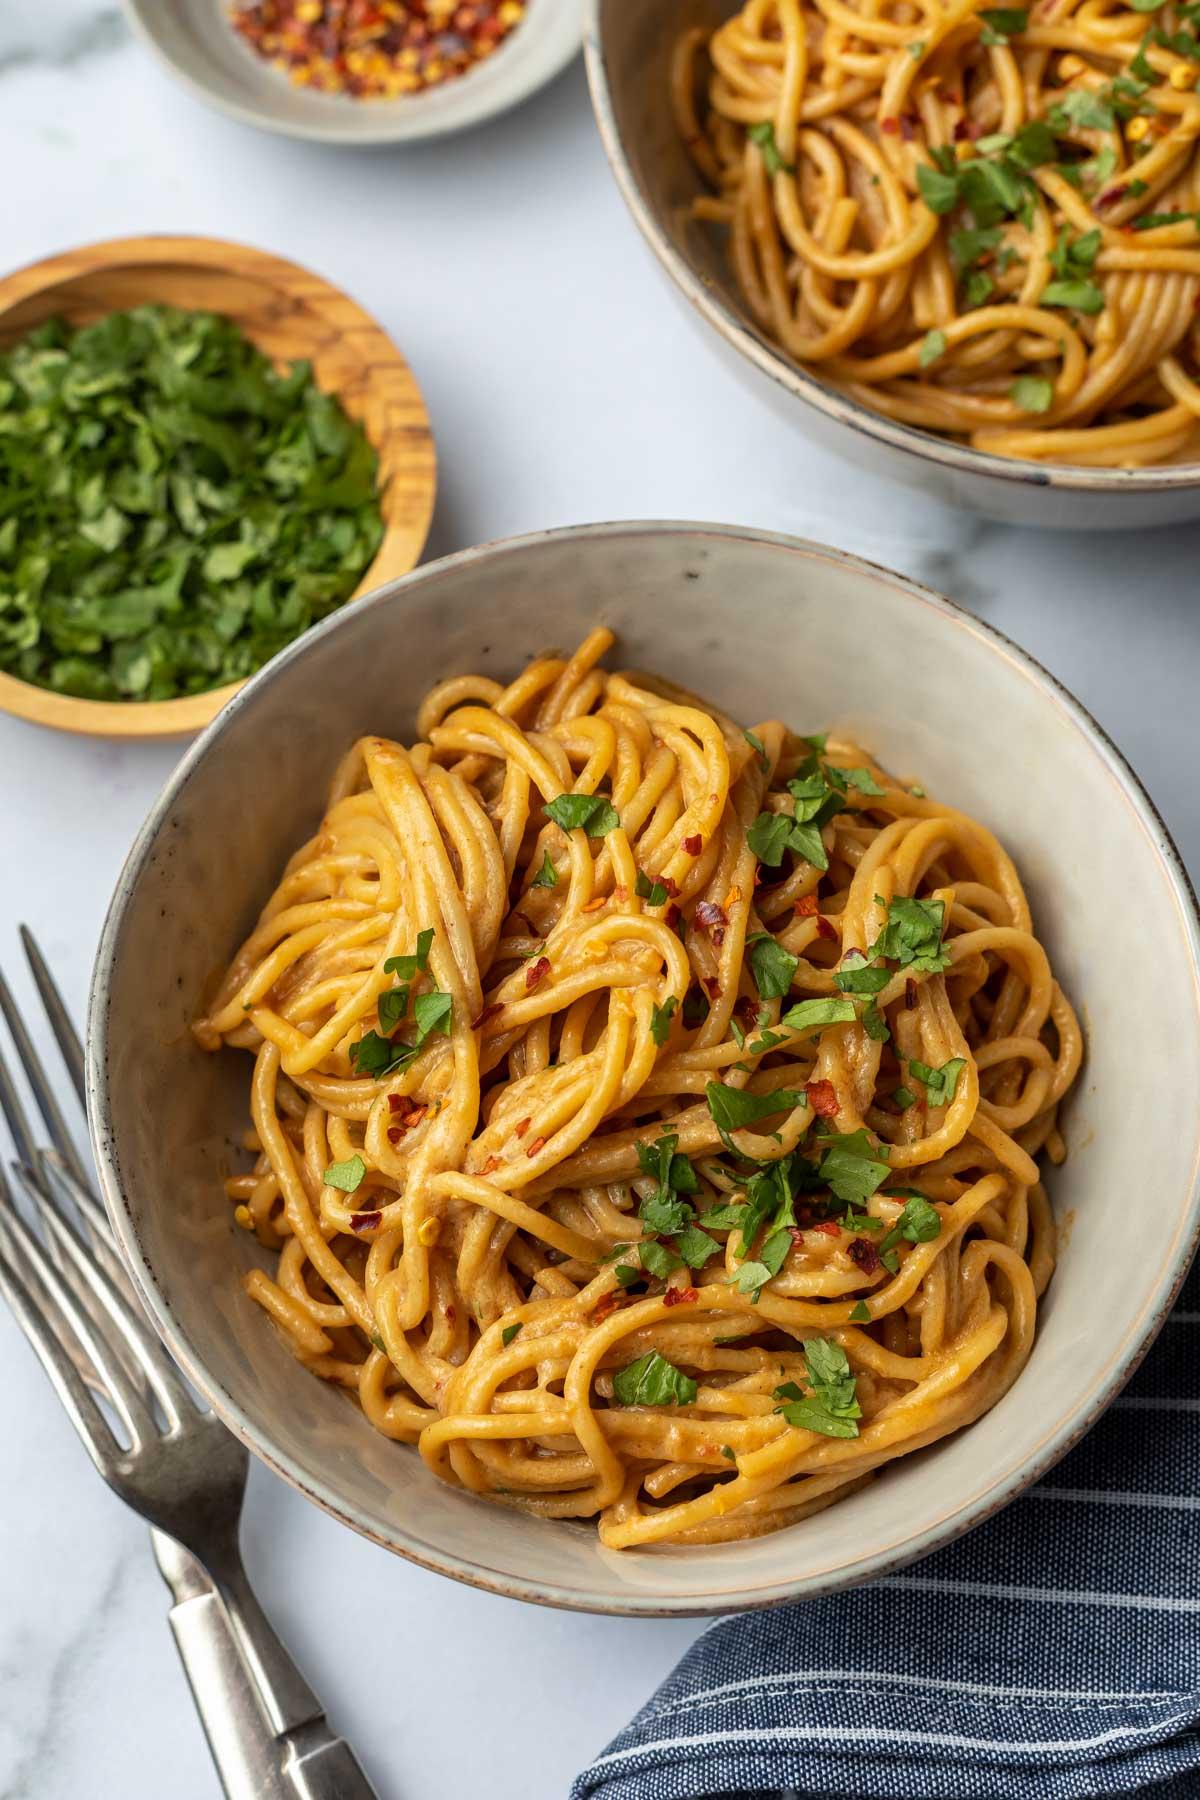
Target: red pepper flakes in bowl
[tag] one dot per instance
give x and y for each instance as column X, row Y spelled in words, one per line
column 375, row 49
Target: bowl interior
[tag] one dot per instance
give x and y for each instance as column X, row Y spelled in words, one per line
column 290, row 314
column 194, row 37
column 767, row 627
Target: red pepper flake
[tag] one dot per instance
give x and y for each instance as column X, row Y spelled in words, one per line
column 746, row 1011
column 891, row 126
column 910, row 993
column 713, row 919
column 693, row 845
column 908, row 127
column 671, row 886
column 596, row 904
column 672, row 916
column 451, row 1315
column 825, row 929
column 606, row 1304
column 796, row 1233
column 677, row 1296
column 367, row 1221
column 488, row 1014
column 522, row 1126
column 400, row 1103
column 863, row 1252
column 806, row 907
column 711, row 986
column 490, row 1166
column 535, row 972
column 1110, row 197
column 829, row 1227
column 408, row 1122
column 822, row 1097
column 537, row 1144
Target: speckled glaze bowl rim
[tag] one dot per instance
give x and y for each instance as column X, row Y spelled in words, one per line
column 796, row 380
column 1120, row 1361
column 395, row 125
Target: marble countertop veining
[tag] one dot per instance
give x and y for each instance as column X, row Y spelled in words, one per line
column 563, row 385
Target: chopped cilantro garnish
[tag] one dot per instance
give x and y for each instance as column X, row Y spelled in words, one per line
column 1032, row 393
column 653, row 892
column 653, row 1381
column 860, row 1313
column 756, row 744
column 919, row 1223
column 913, row 935
column 832, row 1408
column 773, row 966
column 408, row 966
column 938, row 191
column 733, row 1109
column 1083, row 296
column 933, row 345
column 658, row 1259
column 547, row 875
column 763, row 134
column 939, row 1084
column 509, row 1333
column 347, row 1175
column 810, row 1015
column 590, row 812
column 391, row 1007
column 728, row 1452
column 1002, row 22
column 660, row 1020
column 850, row 1166
column 863, row 978
column 904, row 1097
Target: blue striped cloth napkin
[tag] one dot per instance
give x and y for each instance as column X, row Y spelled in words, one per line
column 1052, row 1654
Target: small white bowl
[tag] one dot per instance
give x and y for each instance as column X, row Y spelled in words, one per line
column 197, row 43
column 767, row 627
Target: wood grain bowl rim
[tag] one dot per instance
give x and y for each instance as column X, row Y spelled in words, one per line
column 403, row 539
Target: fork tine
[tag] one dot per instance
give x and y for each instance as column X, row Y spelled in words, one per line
column 88, row 1281
column 43, row 1093
column 67, row 1319
column 65, row 1034
column 10, row 1100
column 81, row 1409
column 53, row 1171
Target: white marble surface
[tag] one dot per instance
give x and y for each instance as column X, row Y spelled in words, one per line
column 562, row 387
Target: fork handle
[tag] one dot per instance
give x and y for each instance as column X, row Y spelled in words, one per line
column 254, row 1757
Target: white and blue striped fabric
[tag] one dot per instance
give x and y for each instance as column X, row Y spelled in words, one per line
column 1051, row 1655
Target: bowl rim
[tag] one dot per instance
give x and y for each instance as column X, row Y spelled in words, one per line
column 188, row 713
column 908, row 1546
column 401, row 127
column 796, row 380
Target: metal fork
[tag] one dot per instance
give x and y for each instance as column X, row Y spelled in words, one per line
column 169, row 1459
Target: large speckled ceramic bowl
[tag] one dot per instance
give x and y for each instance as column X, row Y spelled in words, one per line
column 628, row 45
column 764, row 625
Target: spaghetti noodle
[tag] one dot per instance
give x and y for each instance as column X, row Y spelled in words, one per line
column 984, row 221
column 645, row 1112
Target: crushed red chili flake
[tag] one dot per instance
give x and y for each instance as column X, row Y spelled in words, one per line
column 489, row 1013
column 408, row 1122
column 746, row 1011
column 400, row 1103
column 367, row 1221
column 910, row 993
column 863, row 1252
column 829, row 1227
column 796, row 1233
column 805, row 907
column 490, row 1166
column 693, row 845
column 596, row 904
column 822, row 1097
column 672, row 916
column 538, row 1143
column 825, row 929
column 536, row 971
column 671, row 885
column 375, row 49
column 451, row 1315
column 891, row 126
column 677, row 1296
column 607, row 1303
column 711, row 986
column 908, row 127
column 961, row 130
column 522, row 1126
column 713, row 919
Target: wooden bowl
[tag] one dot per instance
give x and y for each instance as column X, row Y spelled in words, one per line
column 289, row 313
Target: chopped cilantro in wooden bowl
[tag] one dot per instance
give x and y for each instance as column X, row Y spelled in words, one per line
column 203, row 452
